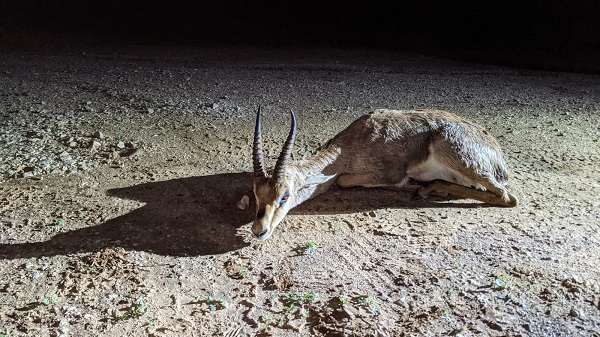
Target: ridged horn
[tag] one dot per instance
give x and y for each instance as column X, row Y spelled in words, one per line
column 286, row 151
column 258, row 157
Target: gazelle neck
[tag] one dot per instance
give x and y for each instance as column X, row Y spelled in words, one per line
column 326, row 161
column 318, row 171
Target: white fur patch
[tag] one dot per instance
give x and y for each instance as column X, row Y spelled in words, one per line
column 432, row 169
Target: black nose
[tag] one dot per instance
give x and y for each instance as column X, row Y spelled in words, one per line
column 262, row 233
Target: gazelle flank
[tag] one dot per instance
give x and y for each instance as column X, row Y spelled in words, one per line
column 443, row 152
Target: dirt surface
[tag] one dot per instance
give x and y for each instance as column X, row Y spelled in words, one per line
column 122, row 169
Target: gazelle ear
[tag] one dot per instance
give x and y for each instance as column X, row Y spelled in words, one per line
column 317, row 179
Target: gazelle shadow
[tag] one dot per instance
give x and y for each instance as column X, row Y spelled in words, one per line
column 181, row 217
column 197, row 216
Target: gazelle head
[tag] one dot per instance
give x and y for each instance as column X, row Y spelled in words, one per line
column 288, row 186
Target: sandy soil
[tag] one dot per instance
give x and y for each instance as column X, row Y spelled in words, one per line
column 122, row 169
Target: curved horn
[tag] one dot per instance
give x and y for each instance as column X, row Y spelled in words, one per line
column 257, row 150
column 286, row 151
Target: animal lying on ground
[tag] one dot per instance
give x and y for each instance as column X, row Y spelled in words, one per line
column 443, row 152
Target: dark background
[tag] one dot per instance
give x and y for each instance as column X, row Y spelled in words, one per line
column 534, row 33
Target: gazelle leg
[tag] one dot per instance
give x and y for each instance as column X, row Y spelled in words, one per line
column 503, row 198
column 509, row 199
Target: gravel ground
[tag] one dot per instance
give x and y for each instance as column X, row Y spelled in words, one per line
column 121, row 169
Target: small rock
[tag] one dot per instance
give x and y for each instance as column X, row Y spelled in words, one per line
column 252, row 291
column 576, row 313
column 150, row 110
column 65, row 156
column 351, row 315
column 98, row 135
column 95, row 145
column 73, row 144
column 111, row 297
column 215, row 105
column 244, row 202
column 121, row 145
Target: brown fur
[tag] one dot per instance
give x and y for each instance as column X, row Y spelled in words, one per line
column 448, row 154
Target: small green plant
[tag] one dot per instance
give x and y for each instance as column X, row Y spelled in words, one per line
column 215, row 304
column 267, row 320
column 282, row 322
column 49, row 300
column 292, row 302
column 138, row 309
column 311, row 296
column 365, row 300
column 502, row 283
column 311, row 247
column 291, row 307
column 368, row 302
column 342, row 300
column 61, row 222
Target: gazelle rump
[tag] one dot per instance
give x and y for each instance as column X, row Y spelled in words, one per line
column 440, row 150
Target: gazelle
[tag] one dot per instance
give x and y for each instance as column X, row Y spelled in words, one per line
column 442, row 151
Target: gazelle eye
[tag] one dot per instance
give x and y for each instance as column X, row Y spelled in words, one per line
column 284, row 199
